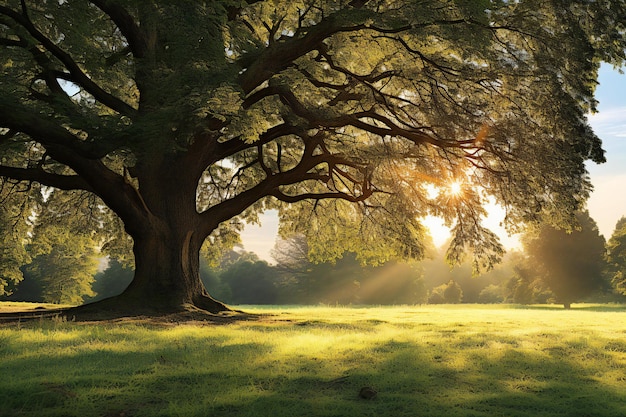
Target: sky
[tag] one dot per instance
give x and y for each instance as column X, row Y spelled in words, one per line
column 606, row 204
column 608, row 200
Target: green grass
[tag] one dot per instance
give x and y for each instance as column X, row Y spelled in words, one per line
column 423, row 361
column 15, row 306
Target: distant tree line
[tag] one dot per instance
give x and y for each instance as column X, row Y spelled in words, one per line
column 62, row 265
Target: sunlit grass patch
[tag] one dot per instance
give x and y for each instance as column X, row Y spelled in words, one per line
column 423, row 361
column 15, row 306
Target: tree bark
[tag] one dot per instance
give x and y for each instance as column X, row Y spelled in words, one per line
column 167, row 242
column 167, row 279
column 167, row 275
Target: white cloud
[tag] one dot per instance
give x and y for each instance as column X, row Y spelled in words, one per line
column 610, row 122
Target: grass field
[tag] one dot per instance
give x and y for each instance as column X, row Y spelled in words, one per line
column 422, row 361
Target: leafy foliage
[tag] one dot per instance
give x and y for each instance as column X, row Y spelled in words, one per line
column 616, row 256
column 14, row 226
column 64, row 264
column 571, row 263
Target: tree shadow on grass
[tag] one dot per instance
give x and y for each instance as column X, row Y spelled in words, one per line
column 412, row 381
column 417, row 380
column 103, row 374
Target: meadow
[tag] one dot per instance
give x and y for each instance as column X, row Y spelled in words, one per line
column 312, row 361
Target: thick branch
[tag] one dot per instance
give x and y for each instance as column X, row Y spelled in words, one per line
column 320, row 196
column 66, row 149
column 78, row 76
column 8, row 135
column 43, row 130
column 62, row 182
column 235, row 145
column 357, row 119
column 114, row 189
column 282, row 54
column 49, row 75
column 270, row 186
column 126, row 24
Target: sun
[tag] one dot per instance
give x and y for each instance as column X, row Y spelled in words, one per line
column 454, row 188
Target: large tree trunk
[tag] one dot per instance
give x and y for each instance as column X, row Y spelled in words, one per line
column 167, row 279
column 167, row 241
column 167, row 275
column 158, row 208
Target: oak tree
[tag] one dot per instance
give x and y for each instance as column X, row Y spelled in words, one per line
column 353, row 118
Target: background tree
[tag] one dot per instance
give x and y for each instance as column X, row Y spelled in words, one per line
column 333, row 282
column 345, row 280
column 525, row 286
column 616, row 256
column 448, row 293
column 187, row 118
column 438, row 272
column 250, row 282
column 570, row 263
column 491, row 294
column 452, row 293
column 111, row 281
column 64, row 264
column 14, row 227
column 436, row 295
column 292, row 255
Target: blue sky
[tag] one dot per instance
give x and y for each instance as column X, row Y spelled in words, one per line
column 608, row 201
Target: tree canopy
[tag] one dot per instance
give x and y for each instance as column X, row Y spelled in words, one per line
column 353, row 118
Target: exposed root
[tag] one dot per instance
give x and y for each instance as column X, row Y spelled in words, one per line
column 119, row 309
column 205, row 302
